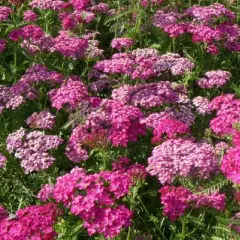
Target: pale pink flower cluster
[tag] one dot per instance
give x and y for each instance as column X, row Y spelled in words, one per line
column 9, row 100
column 3, row 161
column 182, row 158
column 43, row 120
column 146, row 95
column 202, row 105
column 120, row 43
column 216, row 78
column 47, row 4
column 33, row 149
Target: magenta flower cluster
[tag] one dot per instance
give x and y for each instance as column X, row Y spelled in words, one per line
column 98, row 207
column 4, row 13
column 33, row 149
column 33, row 222
column 176, row 200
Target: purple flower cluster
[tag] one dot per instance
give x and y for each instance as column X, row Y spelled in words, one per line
column 176, row 200
column 35, row 74
column 146, row 95
column 9, row 100
column 3, row 161
column 70, row 94
column 98, row 205
column 33, row 222
column 32, row 148
column 169, row 127
column 182, row 158
column 4, row 13
column 43, row 120
column 216, row 78
column 120, row 43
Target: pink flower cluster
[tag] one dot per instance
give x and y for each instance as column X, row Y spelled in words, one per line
column 35, row 74
column 113, row 121
column 4, row 13
column 216, row 78
column 9, row 100
column 207, row 14
column 209, row 24
column 120, row 43
column 176, row 200
column 70, row 94
column 46, row 192
column 30, row 16
column 44, row 120
column 28, row 32
column 182, row 158
column 144, row 64
column 3, row 161
column 70, row 46
column 33, row 222
column 32, row 148
column 3, row 45
column 169, row 127
column 227, row 114
column 47, row 4
column 98, row 205
column 202, row 105
column 145, row 3
column 147, row 95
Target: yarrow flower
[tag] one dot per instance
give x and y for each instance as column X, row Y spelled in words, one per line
column 171, row 127
column 33, row 222
column 176, row 200
column 202, row 105
column 182, row 158
column 32, row 148
column 30, row 16
column 230, row 165
column 70, row 46
column 145, row 3
column 146, row 95
column 98, row 207
column 4, row 13
column 115, row 122
column 216, row 78
column 44, row 120
column 46, row 192
column 35, row 74
column 9, row 100
column 47, row 4
column 3, row 45
column 71, row 93
column 3, row 160
column 227, row 114
column 120, row 43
